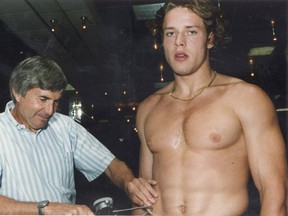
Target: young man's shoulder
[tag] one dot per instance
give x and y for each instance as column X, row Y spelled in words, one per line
column 240, row 90
column 246, row 94
column 150, row 101
column 159, row 93
column 236, row 83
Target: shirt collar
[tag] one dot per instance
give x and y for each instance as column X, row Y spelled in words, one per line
column 9, row 106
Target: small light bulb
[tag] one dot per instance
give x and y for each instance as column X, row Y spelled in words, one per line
column 272, row 22
column 155, row 45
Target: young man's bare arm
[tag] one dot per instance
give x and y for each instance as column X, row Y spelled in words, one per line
column 145, row 157
column 266, row 150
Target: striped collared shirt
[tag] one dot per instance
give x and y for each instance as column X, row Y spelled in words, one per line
column 40, row 166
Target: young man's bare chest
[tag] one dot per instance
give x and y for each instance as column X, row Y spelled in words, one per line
column 204, row 125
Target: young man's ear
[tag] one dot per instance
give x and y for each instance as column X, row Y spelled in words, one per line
column 210, row 40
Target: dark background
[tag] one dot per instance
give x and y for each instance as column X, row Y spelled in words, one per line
column 113, row 64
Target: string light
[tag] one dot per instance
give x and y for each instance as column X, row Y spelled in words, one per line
column 155, row 45
column 251, row 63
column 161, row 72
column 53, row 25
column 274, row 37
column 84, row 22
column 219, row 5
column 154, row 31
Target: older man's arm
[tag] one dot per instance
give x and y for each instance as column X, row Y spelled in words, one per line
column 139, row 190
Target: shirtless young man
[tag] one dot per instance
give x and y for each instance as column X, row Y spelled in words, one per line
column 203, row 134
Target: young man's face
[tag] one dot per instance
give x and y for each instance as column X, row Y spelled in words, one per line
column 185, row 41
column 36, row 107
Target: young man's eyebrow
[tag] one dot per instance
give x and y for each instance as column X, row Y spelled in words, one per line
column 172, row 28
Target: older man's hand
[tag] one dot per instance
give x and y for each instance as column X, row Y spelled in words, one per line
column 141, row 191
